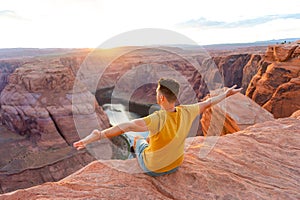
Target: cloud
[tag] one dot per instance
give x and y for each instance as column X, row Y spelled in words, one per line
column 10, row 14
column 205, row 23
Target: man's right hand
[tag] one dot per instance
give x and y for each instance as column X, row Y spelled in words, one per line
column 94, row 136
column 79, row 145
column 232, row 91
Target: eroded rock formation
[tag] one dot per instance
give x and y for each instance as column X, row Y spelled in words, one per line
column 260, row 162
column 39, row 104
column 276, row 86
column 6, row 68
column 235, row 113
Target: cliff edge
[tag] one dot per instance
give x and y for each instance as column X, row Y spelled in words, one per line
column 260, row 162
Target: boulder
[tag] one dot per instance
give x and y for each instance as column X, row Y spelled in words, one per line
column 260, row 162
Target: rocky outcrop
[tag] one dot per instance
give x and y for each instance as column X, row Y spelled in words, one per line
column 276, row 85
column 286, row 99
column 40, row 104
column 260, row 162
column 216, row 122
column 282, row 52
column 6, row 68
column 235, row 113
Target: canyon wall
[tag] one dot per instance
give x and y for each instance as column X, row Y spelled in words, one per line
column 6, row 68
column 39, row 104
column 276, row 86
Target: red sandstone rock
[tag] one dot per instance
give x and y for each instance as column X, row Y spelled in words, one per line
column 260, row 162
column 296, row 53
column 42, row 93
column 286, row 99
column 231, row 68
column 276, row 85
column 250, row 69
column 216, row 122
column 235, row 113
column 37, row 104
column 281, row 52
column 296, row 114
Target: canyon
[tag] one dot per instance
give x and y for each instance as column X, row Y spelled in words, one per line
column 48, row 103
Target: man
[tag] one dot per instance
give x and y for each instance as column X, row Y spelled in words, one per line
column 162, row 152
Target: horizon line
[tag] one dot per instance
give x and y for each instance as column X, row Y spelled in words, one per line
column 168, row 45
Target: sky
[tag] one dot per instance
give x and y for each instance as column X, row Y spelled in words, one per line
column 89, row 23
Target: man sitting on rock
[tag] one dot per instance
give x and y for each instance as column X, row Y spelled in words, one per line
column 162, row 152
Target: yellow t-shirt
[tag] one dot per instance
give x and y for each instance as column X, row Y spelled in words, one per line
column 167, row 133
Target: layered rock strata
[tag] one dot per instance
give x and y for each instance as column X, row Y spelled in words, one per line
column 276, row 86
column 40, row 104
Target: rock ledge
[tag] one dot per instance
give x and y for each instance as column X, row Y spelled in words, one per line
column 260, row 162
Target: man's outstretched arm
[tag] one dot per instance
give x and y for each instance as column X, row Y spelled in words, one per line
column 137, row 125
column 216, row 99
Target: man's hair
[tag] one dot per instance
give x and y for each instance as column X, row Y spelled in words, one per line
column 169, row 88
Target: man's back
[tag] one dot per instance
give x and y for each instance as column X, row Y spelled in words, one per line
column 167, row 133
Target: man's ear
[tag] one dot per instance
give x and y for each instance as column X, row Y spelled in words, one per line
column 162, row 98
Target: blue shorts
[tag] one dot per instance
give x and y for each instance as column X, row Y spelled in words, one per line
column 141, row 144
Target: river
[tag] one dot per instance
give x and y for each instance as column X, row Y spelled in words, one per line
column 118, row 114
